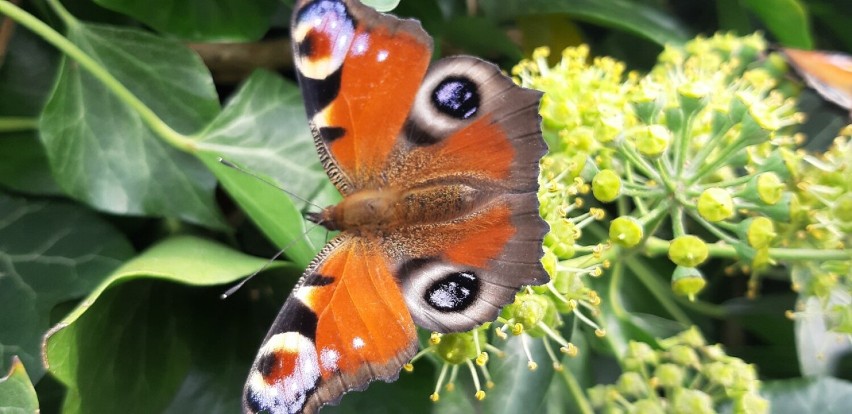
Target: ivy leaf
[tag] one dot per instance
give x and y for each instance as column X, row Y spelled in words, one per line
column 201, row 20
column 824, row 395
column 786, row 19
column 263, row 129
column 50, row 253
column 145, row 342
column 98, row 147
column 634, row 17
column 17, row 395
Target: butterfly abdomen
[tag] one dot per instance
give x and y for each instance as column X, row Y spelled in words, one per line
column 383, row 211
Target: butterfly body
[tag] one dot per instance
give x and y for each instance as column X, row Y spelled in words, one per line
column 439, row 224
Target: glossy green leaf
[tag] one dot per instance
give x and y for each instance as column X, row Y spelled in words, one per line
column 481, row 37
column 786, row 19
column 636, row 17
column 264, row 130
column 144, row 341
column 410, row 395
column 17, row 395
column 23, row 164
column 99, row 149
column 50, row 253
column 824, row 395
column 200, row 20
column 26, row 74
column 516, row 389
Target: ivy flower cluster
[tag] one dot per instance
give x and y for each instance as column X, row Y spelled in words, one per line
column 695, row 160
column 685, row 375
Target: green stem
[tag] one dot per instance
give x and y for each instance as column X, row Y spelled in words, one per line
column 636, row 159
column 13, row 124
column 658, row 247
column 577, row 392
column 53, row 37
column 661, row 292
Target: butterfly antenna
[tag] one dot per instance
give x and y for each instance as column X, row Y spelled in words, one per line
column 264, row 180
column 237, row 287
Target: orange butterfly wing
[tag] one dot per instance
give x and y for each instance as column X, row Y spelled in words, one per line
column 334, row 334
column 356, row 109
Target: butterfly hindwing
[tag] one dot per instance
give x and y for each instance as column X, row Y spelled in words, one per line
column 344, row 325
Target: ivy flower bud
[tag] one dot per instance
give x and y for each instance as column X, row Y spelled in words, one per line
column 683, row 355
column 653, row 140
column 642, row 352
column 760, row 232
column 751, row 403
column 715, row 204
column 842, row 209
column 456, row 348
column 647, row 406
column 687, row 281
column 626, row 231
column 769, row 188
column 549, row 261
column 560, row 239
column 669, row 375
column 688, row 251
column 632, row 384
column 688, row 401
column 606, row 186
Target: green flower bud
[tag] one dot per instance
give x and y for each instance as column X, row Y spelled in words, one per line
column 560, row 238
column 751, row 403
column 632, row 384
column 599, row 395
column 675, row 119
column 715, row 204
column 549, row 261
column 842, row 209
column 688, row 251
column 687, row 281
column 642, row 352
column 769, row 188
column 714, row 352
column 457, row 348
column 606, row 186
column 647, row 406
column 760, row 232
column 720, row 373
column 688, row 401
column 626, row 231
column 653, row 140
column 530, row 310
column 683, row 355
column 670, row 375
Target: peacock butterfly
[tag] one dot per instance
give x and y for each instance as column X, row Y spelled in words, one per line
column 439, row 223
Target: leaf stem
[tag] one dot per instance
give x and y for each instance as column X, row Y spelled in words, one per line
column 577, row 392
column 53, row 37
column 657, row 247
column 13, row 124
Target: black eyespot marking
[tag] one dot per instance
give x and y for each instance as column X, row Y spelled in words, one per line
column 457, row 97
column 454, row 293
column 317, row 279
column 305, row 48
column 252, row 402
column 319, row 93
column 331, row 134
column 417, row 135
column 266, row 364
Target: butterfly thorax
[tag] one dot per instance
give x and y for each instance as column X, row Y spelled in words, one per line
column 383, row 210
